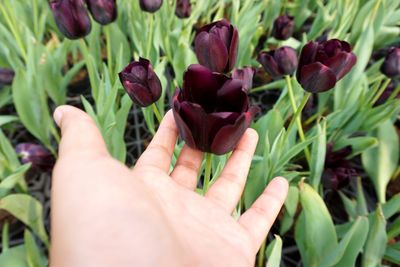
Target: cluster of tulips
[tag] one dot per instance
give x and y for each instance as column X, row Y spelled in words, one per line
column 212, row 109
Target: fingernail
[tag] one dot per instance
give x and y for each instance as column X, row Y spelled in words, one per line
column 57, row 116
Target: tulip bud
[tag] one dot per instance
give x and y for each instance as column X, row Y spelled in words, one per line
column 183, row 9
column 216, row 46
column 245, row 75
column 141, row 82
column 6, row 76
column 71, row 17
column 322, row 64
column 103, row 11
column 150, row 5
column 279, row 62
column 391, row 65
column 40, row 158
column 283, row 27
column 212, row 111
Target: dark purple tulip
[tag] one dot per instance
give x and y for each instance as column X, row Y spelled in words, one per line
column 150, row 5
column 6, row 76
column 391, row 65
column 40, row 158
column 216, row 46
column 103, row 11
column 245, row 75
column 279, row 62
column 283, row 27
column 71, row 18
column 212, row 111
column 322, row 64
column 141, row 82
column 183, row 9
column 387, row 93
column 337, row 170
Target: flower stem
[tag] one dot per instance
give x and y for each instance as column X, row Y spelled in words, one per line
column 5, row 237
column 207, row 172
column 380, row 92
column 297, row 118
column 156, row 112
column 109, row 54
column 261, row 252
column 150, row 36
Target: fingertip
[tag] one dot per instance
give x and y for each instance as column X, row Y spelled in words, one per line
column 251, row 133
column 281, row 183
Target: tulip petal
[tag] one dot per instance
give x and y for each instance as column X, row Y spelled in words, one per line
column 201, row 47
column 233, row 49
column 139, row 93
column 267, row 60
column 232, row 97
column 341, row 63
column 307, row 56
column 228, row 136
column 184, row 130
column 200, row 85
column 245, row 75
column 316, row 78
column 218, row 53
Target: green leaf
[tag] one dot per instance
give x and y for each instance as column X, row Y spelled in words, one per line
column 4, row 119
column 8, row 183
column 380, row 162
column 318, row 155
column 14, row 257
column 358, row 144
column 318, row 236
column 33, row 254
column 274, row 252
column 376, row 242
column 28, row 210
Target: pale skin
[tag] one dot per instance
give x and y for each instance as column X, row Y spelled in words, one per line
column 106, row 214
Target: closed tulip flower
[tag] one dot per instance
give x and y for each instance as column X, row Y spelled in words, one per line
column 183, row 9
column 6, row 76
column 39, row 157
column 150, row 5
column 141, row 82
column 391, row 65
column 283, row 27
column 245, row 75
column 71, row 17
column 279, row 62
column 216, row 46
column 212, row 111
column 103, row 11
column 322, row 64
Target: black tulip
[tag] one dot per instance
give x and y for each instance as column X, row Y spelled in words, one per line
column 103, row 11
column 391, row 65
column 279, row 62
column 150, row 5
column 6, row 76
column 183, row 9
column 283, row 27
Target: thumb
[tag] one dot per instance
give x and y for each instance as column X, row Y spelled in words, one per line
column 79, row 133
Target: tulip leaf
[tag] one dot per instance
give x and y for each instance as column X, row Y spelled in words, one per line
column 315, row 233
column 381, row 161
column 34, row 256
column 274, row 252
column 28, row 210
column 5, row 119
column 376, row 242
column 318, row 155
column 8, row 183
column 346, row 252
column 358, row 144
column 14, row 257
column 392, row 253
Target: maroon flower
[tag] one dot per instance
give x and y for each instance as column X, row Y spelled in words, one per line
column 71, row 17
column 141, row 82
column 322, row 64
column 391, row 65
column 150, row 5
column 103, row 11
column 183, row 9
column 212, row 111
column 283, row 27
column 279, row 62
column 338, row 170
column 245, row 75
column 40, row 158
column 216, row 46
column 6, row 77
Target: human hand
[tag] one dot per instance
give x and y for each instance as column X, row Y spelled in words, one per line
column 105, row 214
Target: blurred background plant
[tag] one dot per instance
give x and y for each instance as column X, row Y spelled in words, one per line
column 343, row 207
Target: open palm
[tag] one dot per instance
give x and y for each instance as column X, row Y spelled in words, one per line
column 105, row 214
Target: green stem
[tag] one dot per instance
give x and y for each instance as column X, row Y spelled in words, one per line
column 150, row 36
column 207, row 172
column 156, row 112
column 261, row 253
column 395, row 93
column 298, row 112
column 109, row 54
column 380, row 92
column 5, row 237
column 298, row 118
